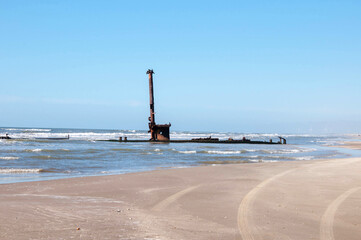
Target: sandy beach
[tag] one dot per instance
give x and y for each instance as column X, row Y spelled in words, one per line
column 284, row 200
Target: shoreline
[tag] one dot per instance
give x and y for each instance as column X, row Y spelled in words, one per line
column 33, row 161
column 353, row 146
column 315, row 199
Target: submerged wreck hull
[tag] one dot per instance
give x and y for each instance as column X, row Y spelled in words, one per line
column 195, row 141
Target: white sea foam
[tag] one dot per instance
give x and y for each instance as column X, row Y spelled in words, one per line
column 28, row 129
column 288, row 151
column 270, row 161
column 20, row 170
column 299, row 150
column 188, row 152
column 224, row 152
column 157, row 150
column 292, row 151
column 9, row 158
column 35, row 150
column 305, row 158
column 251, row 150
column 259, row 160
column 47, row 150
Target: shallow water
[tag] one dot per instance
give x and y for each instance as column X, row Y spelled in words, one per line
column 30, row 159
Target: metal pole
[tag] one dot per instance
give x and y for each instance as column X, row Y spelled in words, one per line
column 151, row 103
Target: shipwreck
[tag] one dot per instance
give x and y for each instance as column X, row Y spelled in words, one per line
column 161, row 132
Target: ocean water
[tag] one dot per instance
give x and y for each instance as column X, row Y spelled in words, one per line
column 26, row 158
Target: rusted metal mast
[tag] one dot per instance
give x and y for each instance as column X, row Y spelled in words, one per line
column 158, row 132
column 151, row 102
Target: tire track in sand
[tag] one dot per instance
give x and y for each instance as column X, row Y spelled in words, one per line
column 326, row 225
column 169, row 200
column 246, row 204
column 247, row 201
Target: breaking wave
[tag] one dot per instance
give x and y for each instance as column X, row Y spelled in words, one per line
column 225, row 162
column 9, row 158
column 42, row 157
column 20, row 170
column 187, row 152
column 34, row 150
column 225, row 152
column 46, row 150
column 28, row 129
column 288, row 151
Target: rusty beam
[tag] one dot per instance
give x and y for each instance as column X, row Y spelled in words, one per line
column 158, row 132
column 151, row 105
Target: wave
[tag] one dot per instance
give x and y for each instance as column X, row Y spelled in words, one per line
column 47, row 150
column 34, row 150
column 288, row 151
column 253, row 159
column 9, row 158
column 259, row 158
column 224, row 162
column 119, row 149
column 20, row 170
column 239, row 161
column 262, row 151
column 304, row 158
column 42, row 157
column 225, row 152
column 270, row 161
column 187, row 152
column 28, row 129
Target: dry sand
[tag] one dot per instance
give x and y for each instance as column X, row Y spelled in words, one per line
column 286, row 200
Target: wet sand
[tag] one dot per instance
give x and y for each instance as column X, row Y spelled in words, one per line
column 285, row 200
column 352, row 145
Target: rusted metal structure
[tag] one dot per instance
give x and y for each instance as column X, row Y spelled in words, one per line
column 282, row 140
column 5, row 137
column 158, row 132
column 200, row 140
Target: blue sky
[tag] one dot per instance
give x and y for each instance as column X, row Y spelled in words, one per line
column 245, row 66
